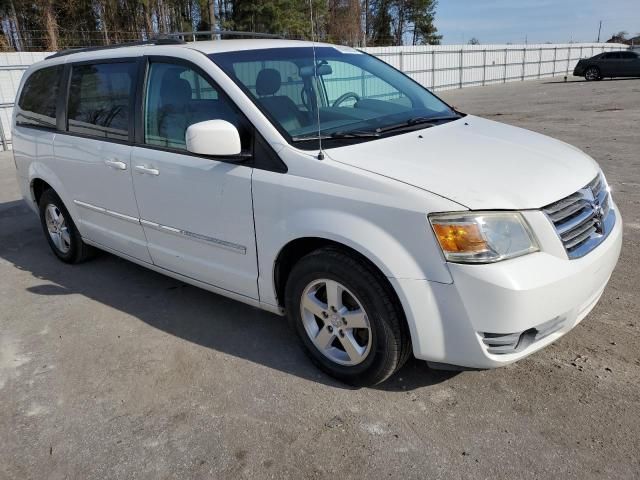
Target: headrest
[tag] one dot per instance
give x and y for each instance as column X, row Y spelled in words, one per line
column 175, row 90
column 268, row 81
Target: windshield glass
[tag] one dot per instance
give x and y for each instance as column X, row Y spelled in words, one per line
column 355, row 95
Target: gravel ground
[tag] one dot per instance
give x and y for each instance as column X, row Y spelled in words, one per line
column 108, row 370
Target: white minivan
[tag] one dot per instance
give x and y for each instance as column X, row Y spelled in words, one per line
column 318, row 182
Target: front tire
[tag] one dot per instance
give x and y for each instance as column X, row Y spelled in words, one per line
column 592, row 73
column 60, row 231
column 346, row 317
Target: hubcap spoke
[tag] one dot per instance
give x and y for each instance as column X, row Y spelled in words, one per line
column 311, row 303
column 354, row 318
column 66, row 238
column 56, row 240
column 351, row 347
column 334, row 294
column 324, row 338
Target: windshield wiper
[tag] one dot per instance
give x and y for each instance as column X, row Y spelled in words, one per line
column 339, row 135
column 412, row 122
column 424, row 121
column 355, row 134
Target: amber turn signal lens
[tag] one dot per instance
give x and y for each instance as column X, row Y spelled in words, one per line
column 463, row 237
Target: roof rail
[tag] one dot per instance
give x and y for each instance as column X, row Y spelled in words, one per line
column 219, row 33
column 156, row 41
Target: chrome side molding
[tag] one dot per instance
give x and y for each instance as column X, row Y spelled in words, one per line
column 196, row 236
column 234, row 247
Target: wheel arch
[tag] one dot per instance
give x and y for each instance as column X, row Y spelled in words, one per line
column 297, row 248
column 41, row 177
column 38, row 187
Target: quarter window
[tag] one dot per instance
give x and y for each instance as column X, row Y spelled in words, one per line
column 177, row 97
column 37, row 103
column 100, row 98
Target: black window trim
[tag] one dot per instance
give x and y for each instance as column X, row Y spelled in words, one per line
column 45, row 128
column 63, row 123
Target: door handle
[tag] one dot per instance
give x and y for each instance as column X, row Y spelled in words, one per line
column 116, row 164
column 147, row 170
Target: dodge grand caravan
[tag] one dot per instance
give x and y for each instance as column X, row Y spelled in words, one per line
column 324, row 185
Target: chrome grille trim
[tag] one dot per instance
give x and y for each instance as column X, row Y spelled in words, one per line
column 583, row 219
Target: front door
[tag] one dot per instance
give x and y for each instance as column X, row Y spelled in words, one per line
column 630, row 63
column 611, row 65
column 94, row 158
column 196, row 212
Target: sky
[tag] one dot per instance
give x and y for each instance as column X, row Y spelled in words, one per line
column 502, row 21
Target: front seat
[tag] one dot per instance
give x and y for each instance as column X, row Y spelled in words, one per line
column 281, row 107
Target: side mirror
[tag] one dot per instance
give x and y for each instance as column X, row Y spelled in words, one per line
column 213, row 137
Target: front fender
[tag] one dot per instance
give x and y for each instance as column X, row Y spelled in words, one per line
column 382, row 219
column 360, row 234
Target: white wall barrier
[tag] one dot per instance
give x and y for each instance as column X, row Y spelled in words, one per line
column 444, row 67
column 437, row 67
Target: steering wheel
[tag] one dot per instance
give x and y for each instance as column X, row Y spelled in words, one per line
column 344, row 96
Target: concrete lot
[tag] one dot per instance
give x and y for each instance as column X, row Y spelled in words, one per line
column 108, row 370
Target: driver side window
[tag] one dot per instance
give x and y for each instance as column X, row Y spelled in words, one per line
column 177, row 97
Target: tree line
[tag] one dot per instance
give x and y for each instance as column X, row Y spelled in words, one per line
column 56, row 24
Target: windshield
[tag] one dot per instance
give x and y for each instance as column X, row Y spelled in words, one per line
column 356, row 96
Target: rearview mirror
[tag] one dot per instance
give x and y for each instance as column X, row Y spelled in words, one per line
column 213, row 137
column 323, row 69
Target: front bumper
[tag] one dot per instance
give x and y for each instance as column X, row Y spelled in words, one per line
column 495, row 314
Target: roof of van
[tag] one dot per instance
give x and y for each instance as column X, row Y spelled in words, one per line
column 207, row 47
column 217, row 46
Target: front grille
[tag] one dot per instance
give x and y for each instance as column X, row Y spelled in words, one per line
column 504, row 343
column 584, row 218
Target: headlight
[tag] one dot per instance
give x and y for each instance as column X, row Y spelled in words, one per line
column 482, row 237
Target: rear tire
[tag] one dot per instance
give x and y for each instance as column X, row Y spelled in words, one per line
column 346, row 317
column 592, row 73
column 60, row 231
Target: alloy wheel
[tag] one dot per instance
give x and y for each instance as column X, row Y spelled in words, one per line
column 592, row 73
column 57, row 228
column 336, row 322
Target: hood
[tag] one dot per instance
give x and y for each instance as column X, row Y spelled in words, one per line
column 477, row 163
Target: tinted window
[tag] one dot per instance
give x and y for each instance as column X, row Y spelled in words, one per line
column 99, row 99
column 628, row 55
column 611, row 56
column 37, row 104
column 176, row 97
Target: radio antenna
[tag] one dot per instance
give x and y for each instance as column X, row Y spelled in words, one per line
column 315, row 75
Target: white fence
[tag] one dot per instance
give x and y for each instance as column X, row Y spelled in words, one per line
column 436, row 67
column 12, row 66
column 456, row 66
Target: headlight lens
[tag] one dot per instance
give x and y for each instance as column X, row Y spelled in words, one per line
column 482, row 237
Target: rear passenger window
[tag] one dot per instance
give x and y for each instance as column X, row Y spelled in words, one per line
column 176, row 97
column 37, row 103
column 99, row 99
